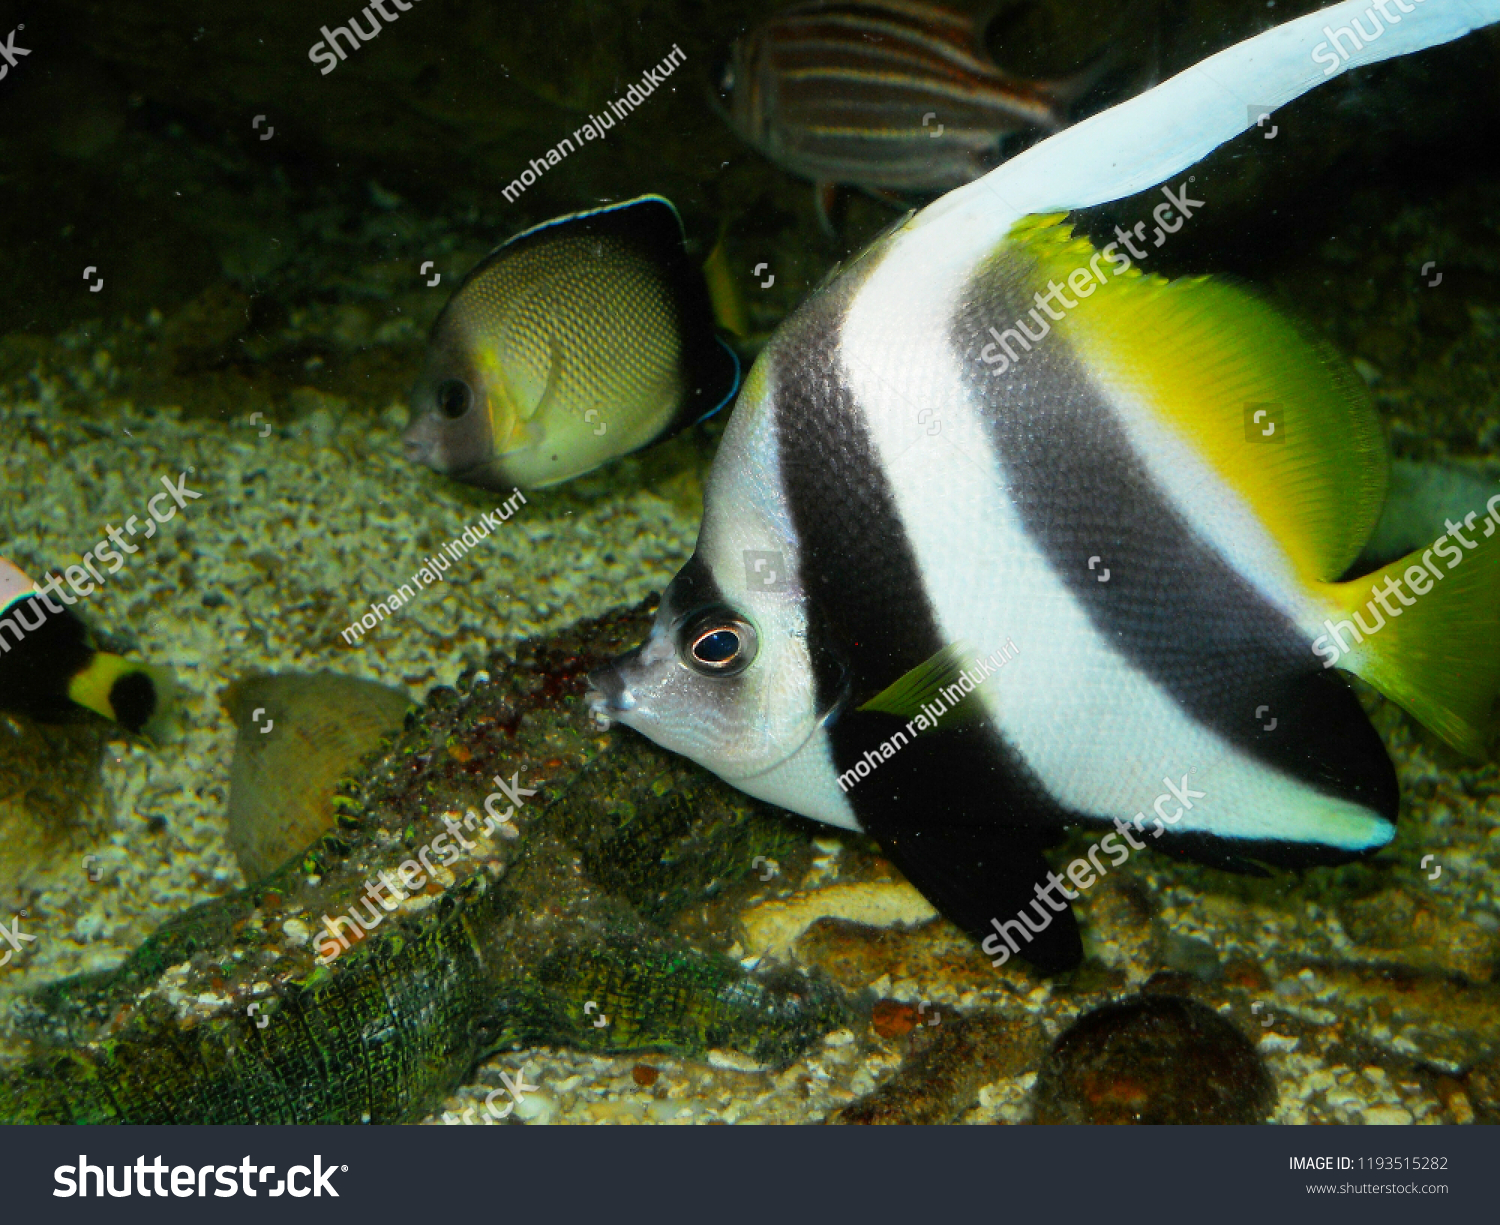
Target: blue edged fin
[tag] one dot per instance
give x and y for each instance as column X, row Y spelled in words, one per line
column 652, row 216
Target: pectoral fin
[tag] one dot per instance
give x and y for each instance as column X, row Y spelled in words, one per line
column 920, row 690
column 529, row 422
column 547, row 401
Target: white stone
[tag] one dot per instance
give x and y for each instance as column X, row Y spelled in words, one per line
column 771, row 928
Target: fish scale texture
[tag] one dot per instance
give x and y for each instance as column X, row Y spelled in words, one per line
column 515, row 306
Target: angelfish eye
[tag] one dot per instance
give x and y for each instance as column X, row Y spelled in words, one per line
column 454, row 398
column 718, row 643
column 724, row 74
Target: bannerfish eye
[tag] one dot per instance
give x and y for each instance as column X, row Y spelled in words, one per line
column 719, row 643
column 454, row 398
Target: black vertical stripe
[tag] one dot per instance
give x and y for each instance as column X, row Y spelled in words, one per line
column 956, row 809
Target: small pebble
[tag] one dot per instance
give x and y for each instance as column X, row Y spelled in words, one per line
column 893, row 1019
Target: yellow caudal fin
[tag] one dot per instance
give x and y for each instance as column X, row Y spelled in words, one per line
column 723, row 292
column 1280, row 417
column 1439, row 658
column 141, row 698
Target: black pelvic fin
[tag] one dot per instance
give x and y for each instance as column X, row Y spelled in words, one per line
column 983, row 875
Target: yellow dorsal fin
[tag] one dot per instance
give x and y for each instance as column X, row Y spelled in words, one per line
column 723, row 292
column 1205, row 357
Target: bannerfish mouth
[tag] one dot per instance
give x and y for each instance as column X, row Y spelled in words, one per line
column 608, row 696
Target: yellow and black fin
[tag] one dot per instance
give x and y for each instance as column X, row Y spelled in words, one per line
column 49, row 667
column 1282, row 419
column 141, row 698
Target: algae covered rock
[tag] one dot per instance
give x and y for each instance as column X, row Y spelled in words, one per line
column 453, row 912
column 943, row 1076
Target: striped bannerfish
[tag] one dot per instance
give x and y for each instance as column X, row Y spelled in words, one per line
column 888, row 488
column 884, row 94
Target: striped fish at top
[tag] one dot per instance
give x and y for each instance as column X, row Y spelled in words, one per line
column 914, row 492
column 890, row 95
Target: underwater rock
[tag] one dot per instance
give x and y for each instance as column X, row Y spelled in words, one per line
column 1189, row 955
column 296, row 735
column 855, row 956
column 771, row 928
column 1153, row 1059
column 1439, row 1019
column 893, row 1019
column 508, row 940
column 1123, row 931
column 1425, row 933
column 1482, row 1099
column 943, row 1076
